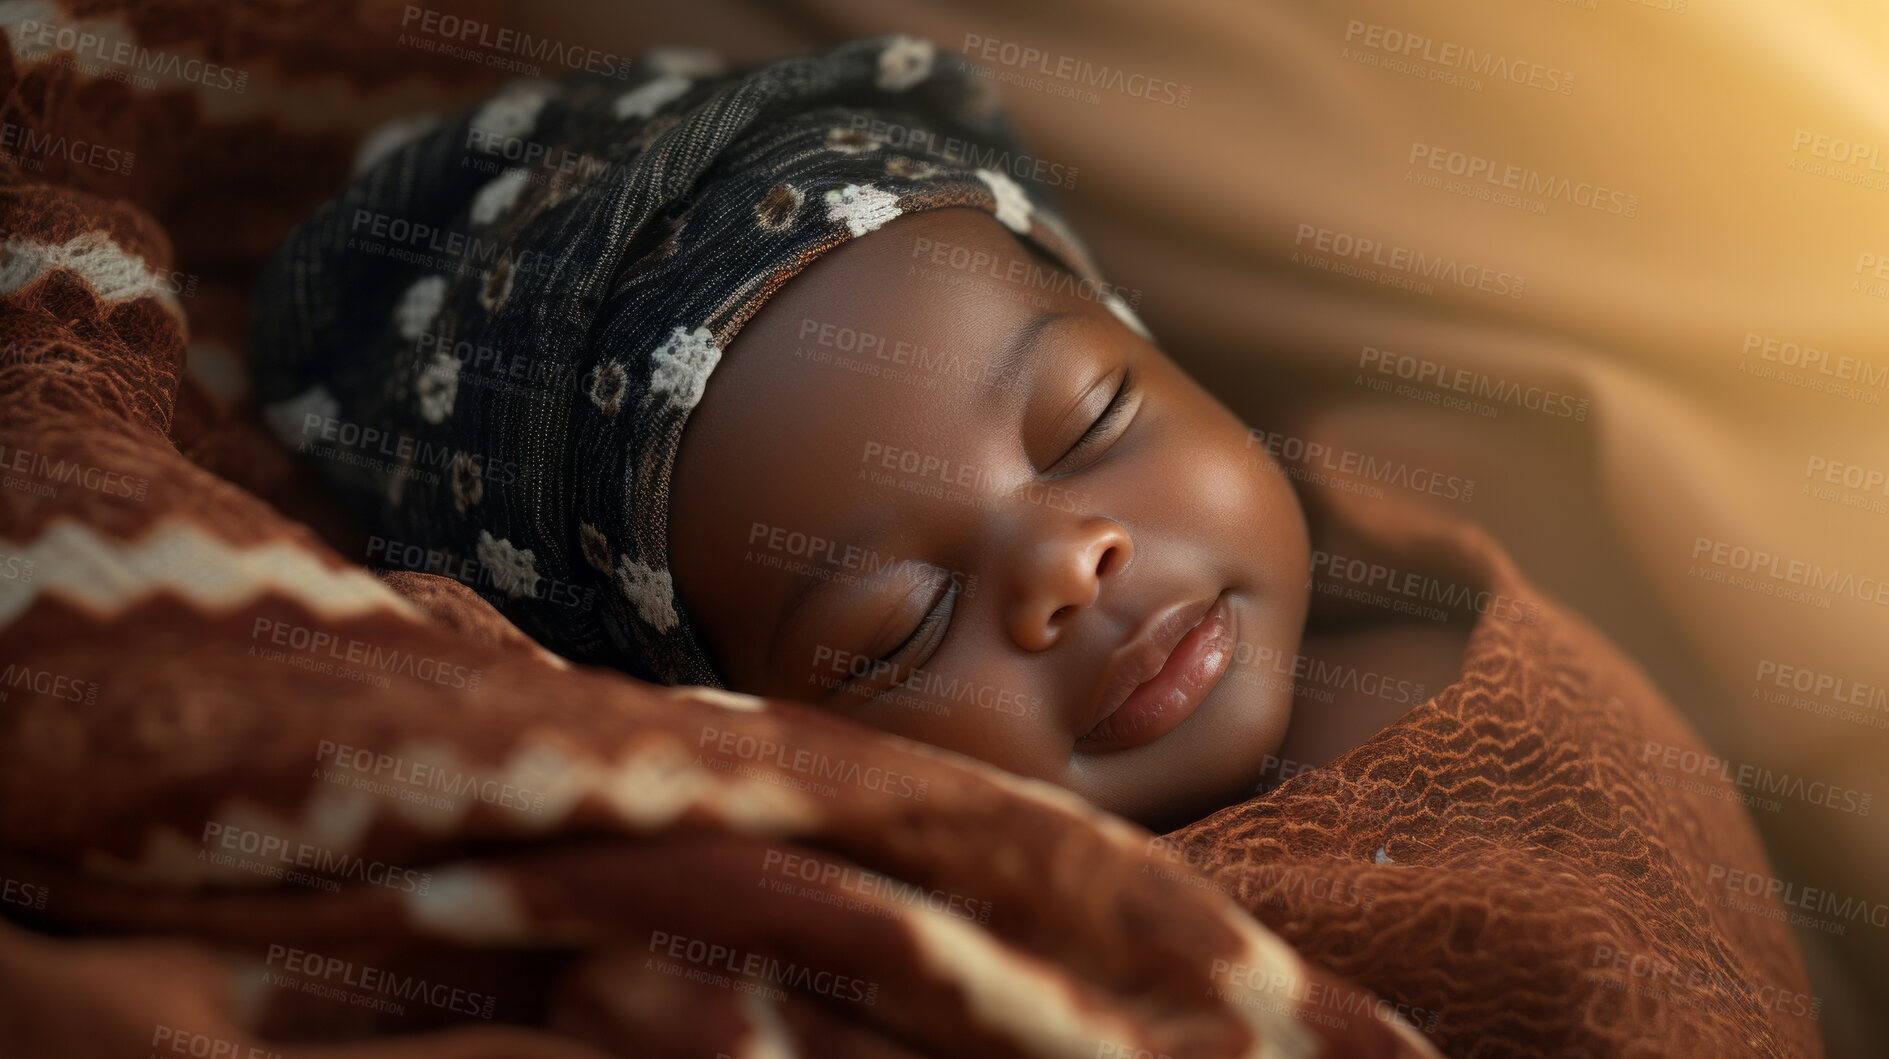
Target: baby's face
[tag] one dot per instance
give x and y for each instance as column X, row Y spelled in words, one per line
column 948, row 504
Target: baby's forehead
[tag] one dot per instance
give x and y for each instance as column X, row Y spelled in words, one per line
column 916, row 303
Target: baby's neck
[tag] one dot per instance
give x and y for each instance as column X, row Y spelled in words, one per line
column 1352, row 681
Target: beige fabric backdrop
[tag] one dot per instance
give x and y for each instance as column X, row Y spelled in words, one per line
column 1734, row 125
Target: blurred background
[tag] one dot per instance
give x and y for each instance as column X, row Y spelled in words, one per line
column 1622, row 263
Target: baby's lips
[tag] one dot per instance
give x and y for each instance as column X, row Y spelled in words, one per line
column 1192, row 669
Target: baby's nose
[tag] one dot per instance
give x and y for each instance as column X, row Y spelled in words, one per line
column 1060, row 572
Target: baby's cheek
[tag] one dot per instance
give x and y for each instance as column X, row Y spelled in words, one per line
column 1237, row 491
column 1255, row 525
column 980, row 714
column 1269, row 492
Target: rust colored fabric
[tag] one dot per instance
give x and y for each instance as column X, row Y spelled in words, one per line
column 1502, row 862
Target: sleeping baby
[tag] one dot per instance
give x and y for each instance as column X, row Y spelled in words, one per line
column 790, row 381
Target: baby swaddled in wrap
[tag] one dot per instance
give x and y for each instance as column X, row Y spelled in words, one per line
column 787, row 381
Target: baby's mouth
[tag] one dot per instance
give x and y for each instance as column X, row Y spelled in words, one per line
column 1165, row 675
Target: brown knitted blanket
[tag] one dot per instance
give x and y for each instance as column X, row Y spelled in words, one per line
column 1511, row 861
column 256, row 800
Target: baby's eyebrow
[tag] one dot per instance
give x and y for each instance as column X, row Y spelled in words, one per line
column 1018, row 354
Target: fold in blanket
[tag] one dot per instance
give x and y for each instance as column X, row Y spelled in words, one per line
column 1524, row 862
column 252, row 796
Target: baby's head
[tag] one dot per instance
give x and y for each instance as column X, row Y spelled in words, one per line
column 788, row 410
column 978, row 519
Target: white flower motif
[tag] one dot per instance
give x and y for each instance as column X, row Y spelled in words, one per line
column 1126, row 315
column 905, row 62
column 390, row 137
column 289, row 420
column 495, row 198
column 514, row 571
column 646, row 99
column 1013, row 206
column 437, row 387
column 684, row 61
column 512, row 113
column 681, row 365
column 863, row 208
column 650, row 590
column 419, row 306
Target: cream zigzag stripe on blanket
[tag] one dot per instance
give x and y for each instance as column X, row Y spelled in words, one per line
column 70, row 561
column 650, row 786
column 1010, row 992
column 114, row 273
column 180, row 557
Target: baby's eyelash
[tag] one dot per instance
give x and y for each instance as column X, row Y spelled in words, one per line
column 925, row 624
column 940, row 613
column 1117, row 405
